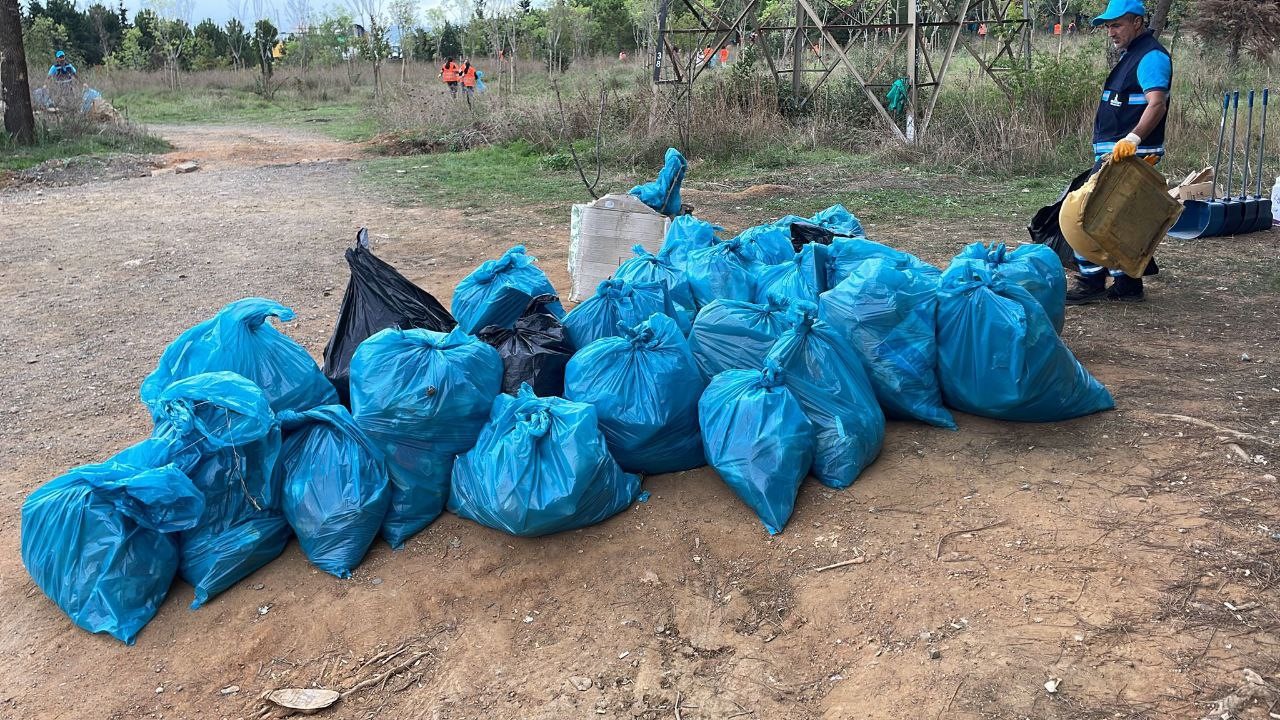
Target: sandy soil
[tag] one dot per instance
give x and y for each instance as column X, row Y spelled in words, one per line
column 1132, row 555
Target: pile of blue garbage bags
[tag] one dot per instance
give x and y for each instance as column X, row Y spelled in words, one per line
column 771, row 356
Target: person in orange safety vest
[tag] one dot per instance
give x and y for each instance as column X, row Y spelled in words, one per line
column 468, row 75
column 449, row 73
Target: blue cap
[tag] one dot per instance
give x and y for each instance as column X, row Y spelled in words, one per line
column 59, row 54
column 1117, row 9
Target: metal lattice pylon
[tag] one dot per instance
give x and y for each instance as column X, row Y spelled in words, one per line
column 908, row 37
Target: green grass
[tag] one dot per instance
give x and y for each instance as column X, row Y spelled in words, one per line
column 52, row 144
column 481, row 179
column 517, row 174
column 347, row 119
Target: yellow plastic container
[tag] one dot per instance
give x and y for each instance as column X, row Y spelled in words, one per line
column 1120, row 215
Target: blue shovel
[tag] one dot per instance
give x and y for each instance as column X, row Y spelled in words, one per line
column 1217, row 223
column 1198, row 215
column 1264, row 204
column 1248, row 208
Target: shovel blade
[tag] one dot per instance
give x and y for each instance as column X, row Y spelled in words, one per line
column 1194, row 220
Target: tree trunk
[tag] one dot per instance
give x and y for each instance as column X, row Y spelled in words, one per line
column 1160, row 17
column 15, row 90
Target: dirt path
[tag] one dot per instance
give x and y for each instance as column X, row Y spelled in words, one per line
column 1107, row 551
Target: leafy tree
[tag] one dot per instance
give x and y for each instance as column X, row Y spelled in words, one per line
column 424, row 44
column 106, row 28
column 615, row 29
column 331, row 39
column 42, row 38
column 404, row 15
column 450, row 41
column 1239, row 25
column 209, row 47
column 238, row 43
column 264, row 41
column 80, row 42
column 130, row 55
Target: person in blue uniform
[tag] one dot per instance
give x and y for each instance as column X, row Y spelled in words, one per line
column 62, row 70
column 1130, row 121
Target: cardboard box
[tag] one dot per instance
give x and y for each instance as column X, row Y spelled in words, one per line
column 1197, row 186
column 602, row 235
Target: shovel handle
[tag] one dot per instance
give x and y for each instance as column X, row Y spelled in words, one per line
column 1248, row 147
column 1231, row 163
column 1262, row 142
column 1222, row 136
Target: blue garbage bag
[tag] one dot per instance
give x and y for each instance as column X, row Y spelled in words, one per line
column 87, row 99
column 999, row 356
column 647, row 267
column 422, row 398
column 758, row 440
column 725, row 271
column 616, row 302
column 1034, row 266
column 214, row 560
column 824, row 372
column 644, row 386
column 845, row 254
column 335, row 485
column 731, row 334
column 497, row 292
column 686, row 234
column 888, row 314
column 541, row 466
column 802, row 277
column 839, row 220
column 771, row 243
column 100, row 541
column 219, row 429
column 663, row 194
column 240, row 339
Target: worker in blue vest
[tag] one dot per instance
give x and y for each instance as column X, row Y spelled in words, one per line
column 1130, row 121
column 62, row 71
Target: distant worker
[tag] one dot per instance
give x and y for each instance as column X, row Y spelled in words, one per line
column 1057, row 28
column 724, row 55
column 982, row 30
column 1130, row 121
column 1071, row 29
column 710, row 56
column 62, row 71
column 622, row 56
column 468, row 75
column 449, row 73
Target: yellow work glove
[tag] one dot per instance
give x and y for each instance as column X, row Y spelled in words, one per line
column 1126, row 148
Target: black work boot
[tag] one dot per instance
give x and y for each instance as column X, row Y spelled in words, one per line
column 1126, row 289
column 1086, row 289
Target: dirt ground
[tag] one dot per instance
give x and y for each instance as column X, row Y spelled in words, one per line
column 1129, row 557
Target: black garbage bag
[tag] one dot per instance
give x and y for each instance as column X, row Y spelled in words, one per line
column 534, row 351
column 1044, row 227
column 377, row 297
column 1045, row 230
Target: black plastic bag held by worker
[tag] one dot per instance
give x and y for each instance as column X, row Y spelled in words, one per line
column 377, row 297
column 1044, row 227
column 534, row 351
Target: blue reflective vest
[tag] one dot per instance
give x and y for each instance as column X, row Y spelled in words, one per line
column 1123, row 102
